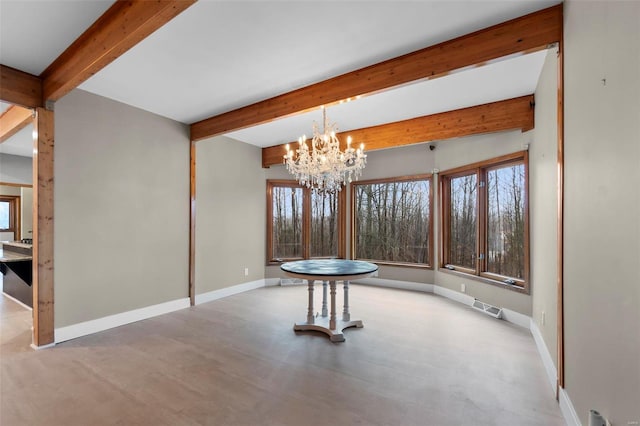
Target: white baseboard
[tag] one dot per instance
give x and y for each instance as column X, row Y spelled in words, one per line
column 37, row 348
column 516, row 318
column 229, row 291
column 566, row 407
column 101, row 324
column 94, row 326
column 403, row 285
column 552, row 373
column 569, row 413
column 453, row 295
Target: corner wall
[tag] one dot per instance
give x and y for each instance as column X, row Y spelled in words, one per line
column 230, row 214
column 602, row 207
column 543, row 206
column 121, row 209
column 16, row 169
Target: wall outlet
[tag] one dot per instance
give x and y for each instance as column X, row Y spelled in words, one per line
column 246, row 272
column 463, row 288
column 542, row 318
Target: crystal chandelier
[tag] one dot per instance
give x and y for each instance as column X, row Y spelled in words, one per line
column 324, row 167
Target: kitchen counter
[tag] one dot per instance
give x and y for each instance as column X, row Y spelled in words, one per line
column 8, row 255
column 16, row 268
column 12, row 251
column 17, row 244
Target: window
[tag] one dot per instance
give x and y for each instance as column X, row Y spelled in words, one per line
column 392, row 220
column 485, row 220
column 302, row 223
column 8, row 213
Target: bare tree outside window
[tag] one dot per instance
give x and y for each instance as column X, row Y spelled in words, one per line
column 324, row 224
column 302, row 223
column 485, row 220
column 505, row 221
column 392, row 220
column 287, row 222
column 464, row 216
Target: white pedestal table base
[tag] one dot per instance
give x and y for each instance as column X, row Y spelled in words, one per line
column 329, row 272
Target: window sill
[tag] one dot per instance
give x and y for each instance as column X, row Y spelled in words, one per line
column 517, row 289
column 401, row 264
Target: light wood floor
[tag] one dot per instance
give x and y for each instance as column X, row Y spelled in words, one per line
column 420, row 360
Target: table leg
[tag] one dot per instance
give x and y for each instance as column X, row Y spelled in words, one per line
column 346, row 316
column 332, row 318
column 324, row 298
column 310, row 309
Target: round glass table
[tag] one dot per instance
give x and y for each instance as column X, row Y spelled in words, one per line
column 329, row 271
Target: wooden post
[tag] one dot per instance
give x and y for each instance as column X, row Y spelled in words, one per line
column 560, row 220
column 192, row 225
column 43, row 145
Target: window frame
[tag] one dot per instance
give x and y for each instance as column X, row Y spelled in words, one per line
column 306, row 222
column 408, row 178
column 479, row 272
column 14, row 212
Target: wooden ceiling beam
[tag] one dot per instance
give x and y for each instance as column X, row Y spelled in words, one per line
column 525, row 34
column 20, row 88
column 13, row 120
column 510, row 114
column 121, row 27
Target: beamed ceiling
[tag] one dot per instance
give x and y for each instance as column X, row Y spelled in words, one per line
column 254, row 71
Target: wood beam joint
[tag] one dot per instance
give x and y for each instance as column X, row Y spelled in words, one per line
column 121, row 27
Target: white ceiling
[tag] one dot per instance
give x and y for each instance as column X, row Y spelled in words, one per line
column 35, row 32
column 220, row 55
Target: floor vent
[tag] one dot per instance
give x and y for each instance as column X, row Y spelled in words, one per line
column 494, row 311
column 291, row 281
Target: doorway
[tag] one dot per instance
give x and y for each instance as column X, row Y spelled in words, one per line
column 16, row 227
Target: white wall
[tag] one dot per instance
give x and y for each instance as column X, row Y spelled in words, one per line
column 121, row 208
column 9, row 190
column 230, row 214
column 602, row 206
column 26, row 212
column 543, row 206
column 15, row 169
